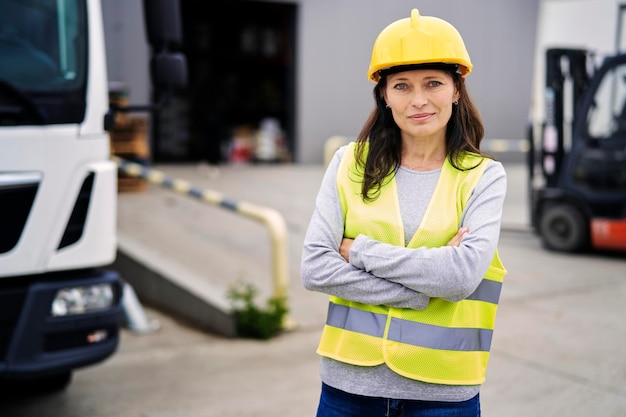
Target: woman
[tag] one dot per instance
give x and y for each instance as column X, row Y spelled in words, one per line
column 404, row 238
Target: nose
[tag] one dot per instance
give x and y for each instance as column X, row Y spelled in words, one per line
column 419, row 98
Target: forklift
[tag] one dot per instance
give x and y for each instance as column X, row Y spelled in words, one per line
column 577, row 164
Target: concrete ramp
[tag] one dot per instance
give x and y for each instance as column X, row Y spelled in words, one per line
column 168, row 286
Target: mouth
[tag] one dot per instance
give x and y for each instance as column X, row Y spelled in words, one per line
column 420, row 116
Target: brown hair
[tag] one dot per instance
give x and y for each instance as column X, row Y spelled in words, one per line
column 464, row 133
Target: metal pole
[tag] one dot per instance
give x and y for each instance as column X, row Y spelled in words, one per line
column 271, row 218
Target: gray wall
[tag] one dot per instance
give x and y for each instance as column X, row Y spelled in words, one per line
column 334, row 43
column 334, row 95
column 127, row 48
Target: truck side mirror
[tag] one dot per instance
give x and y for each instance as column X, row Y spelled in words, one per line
column 163, row 23
column 168, row 70
column 168, row 67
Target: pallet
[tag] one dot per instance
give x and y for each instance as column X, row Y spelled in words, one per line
column 131, row 184
column 131, row 139
column 133, row 144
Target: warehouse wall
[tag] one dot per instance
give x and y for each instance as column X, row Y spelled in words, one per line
column 335, row 37
column 334, row 95
column 126, row 46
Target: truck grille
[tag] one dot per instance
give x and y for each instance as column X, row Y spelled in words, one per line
column 17, row 201
column 11, row 301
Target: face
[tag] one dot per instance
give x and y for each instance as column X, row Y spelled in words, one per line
column 421, row 102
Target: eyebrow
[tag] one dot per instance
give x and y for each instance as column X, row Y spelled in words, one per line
column 427, row 77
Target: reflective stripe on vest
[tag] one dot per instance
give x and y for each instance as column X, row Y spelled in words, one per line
column 447, row 342
column 419, row 334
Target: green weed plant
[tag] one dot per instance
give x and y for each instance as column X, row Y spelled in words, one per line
column 252, row 321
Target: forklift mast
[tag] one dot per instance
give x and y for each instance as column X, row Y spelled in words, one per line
column 563, row 67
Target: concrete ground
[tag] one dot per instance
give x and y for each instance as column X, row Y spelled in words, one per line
column 557, row 349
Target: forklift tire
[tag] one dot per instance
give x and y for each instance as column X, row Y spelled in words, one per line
column 563, row 228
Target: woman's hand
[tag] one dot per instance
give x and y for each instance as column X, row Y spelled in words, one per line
column 456, row 240
column 344, row 249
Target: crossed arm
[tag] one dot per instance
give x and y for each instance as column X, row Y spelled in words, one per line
column 346, row 243
column 372, row 272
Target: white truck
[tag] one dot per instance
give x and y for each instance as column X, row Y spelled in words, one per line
column 59, row 300
column 577, row 158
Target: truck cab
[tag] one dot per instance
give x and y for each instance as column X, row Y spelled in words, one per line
column 59, row 299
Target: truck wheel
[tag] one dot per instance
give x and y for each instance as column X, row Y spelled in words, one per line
column 563, row 228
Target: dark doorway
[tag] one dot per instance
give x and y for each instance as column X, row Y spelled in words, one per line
column 241, row 64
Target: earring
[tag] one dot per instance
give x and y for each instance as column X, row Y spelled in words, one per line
column 456, row 103
column 387, row 106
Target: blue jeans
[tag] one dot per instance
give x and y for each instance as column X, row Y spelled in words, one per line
column 337, row 403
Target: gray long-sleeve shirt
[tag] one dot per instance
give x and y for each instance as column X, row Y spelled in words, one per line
column 382, row 274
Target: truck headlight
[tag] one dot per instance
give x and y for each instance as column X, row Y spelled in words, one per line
column 79, row 300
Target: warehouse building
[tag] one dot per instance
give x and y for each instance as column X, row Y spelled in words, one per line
column 297, row 70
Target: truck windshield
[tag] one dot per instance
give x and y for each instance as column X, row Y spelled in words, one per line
column 607, row 117
column 43, row 45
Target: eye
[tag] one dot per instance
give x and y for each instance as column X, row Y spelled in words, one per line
column 400, row 86
column 434, row 84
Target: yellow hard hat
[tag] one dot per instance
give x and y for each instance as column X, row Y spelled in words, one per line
column 418, row 40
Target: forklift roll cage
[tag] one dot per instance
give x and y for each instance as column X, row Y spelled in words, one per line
column 579, row 188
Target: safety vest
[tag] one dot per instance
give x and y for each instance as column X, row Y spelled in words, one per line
column 447, row 342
